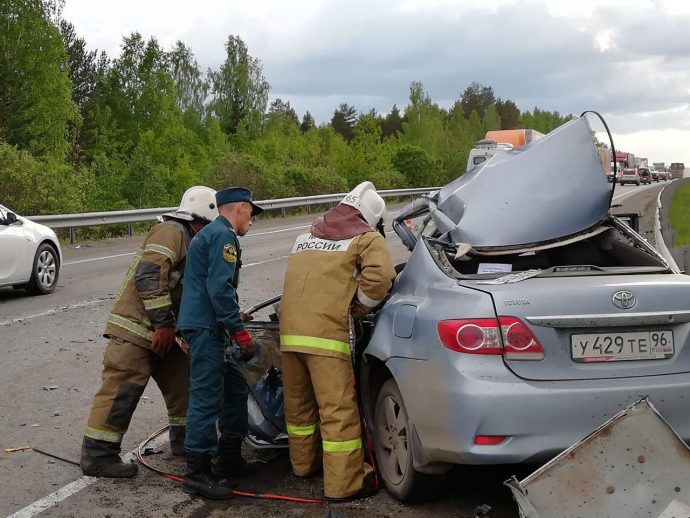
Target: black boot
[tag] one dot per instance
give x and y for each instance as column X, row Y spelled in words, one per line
column 230, row 462
column 199, row 480
column 102, row 459
column 176, row 435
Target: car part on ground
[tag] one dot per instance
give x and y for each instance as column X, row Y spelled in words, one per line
column 634, row 465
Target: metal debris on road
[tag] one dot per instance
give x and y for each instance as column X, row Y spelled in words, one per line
column 634, row 465
column 51, row 387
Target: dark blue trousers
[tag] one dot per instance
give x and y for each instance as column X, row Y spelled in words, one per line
column 217, row 393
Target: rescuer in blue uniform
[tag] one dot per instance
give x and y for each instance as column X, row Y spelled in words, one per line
column 209, row 319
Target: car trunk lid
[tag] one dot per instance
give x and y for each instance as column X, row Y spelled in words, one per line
column 580, row 322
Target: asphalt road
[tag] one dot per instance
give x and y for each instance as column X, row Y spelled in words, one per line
column 50, row 354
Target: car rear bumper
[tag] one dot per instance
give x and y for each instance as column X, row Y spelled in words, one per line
column 450, row 402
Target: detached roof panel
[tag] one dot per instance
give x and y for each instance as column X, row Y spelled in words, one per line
column 552, row 188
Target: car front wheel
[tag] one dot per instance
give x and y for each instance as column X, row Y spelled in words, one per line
column 45, row 272
column 394, row 448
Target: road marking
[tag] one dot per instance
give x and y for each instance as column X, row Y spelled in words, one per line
column 97, row 258
column 256, row 234
column 266, row 261
column 74, row 487
column 53, row 311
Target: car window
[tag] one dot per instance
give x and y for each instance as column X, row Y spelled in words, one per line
column 3, row 215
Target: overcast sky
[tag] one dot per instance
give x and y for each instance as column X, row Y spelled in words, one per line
column 628, row 59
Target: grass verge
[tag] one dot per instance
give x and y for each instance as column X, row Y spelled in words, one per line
column 679, row 214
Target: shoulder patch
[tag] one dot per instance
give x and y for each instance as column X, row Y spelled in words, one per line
column 229, row 253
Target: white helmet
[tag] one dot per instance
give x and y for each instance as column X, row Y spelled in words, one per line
column 366, row 200
column 197, row 202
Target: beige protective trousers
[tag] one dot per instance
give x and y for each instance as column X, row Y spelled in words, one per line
column 126, row 371
column 323, row 419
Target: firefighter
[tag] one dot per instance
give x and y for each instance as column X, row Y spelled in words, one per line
column 142, row 343
column 210, row 318
column 335, row 274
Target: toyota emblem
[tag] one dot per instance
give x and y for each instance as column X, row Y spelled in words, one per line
column 624, row 299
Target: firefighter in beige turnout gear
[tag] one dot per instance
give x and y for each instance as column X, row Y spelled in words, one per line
column 142, row 342
column 340, row 270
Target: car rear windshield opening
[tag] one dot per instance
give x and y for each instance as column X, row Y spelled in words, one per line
column 609, row 249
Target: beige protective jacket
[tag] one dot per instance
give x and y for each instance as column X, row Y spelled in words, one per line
column 150, row 295
column 328, row 278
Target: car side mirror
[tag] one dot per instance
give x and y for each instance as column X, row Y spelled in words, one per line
column 11, row 218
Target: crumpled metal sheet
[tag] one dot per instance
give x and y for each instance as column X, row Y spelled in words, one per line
column 635, row 465
column 551, row 188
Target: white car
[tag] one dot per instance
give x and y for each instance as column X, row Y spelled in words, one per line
column 30, row 255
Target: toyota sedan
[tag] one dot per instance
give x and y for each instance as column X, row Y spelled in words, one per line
column 525, row 317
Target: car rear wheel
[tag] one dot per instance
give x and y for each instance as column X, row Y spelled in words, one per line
column 45, row 272
column 394, row 449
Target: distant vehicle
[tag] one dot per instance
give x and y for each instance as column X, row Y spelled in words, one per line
column 677, row 169
column 668, row 175
column 625, row 160
column 643, row 162
column 500, row 140
column 646, row 176
column 659, row 166
column 30, row 254
column 629, row 176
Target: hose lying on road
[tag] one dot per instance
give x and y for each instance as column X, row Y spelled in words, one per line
column 261, row 496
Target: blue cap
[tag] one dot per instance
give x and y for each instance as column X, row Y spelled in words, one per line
column 236, row 194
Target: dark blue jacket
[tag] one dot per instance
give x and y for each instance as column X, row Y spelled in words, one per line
column 211, row 275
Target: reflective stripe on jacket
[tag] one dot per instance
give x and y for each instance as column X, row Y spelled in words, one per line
column 324, row 279
column 150, row 294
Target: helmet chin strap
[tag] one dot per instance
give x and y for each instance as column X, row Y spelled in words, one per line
column 379, row 227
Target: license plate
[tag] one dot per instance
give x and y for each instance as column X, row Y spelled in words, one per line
column 611, row 347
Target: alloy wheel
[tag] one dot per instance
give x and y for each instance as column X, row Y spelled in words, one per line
column 392, row 440
column 46, row 269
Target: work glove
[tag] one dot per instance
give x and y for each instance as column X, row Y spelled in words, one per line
column 244, row 340
column 163, row 340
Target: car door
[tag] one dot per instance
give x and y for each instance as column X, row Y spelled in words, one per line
column 16, row 257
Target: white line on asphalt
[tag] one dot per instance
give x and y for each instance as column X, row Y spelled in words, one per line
column 74, row 487
column 97, row 258
column 52, row 311
column 255, row 234
column 266, row 261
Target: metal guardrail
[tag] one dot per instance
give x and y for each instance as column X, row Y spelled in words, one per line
column 89, row 219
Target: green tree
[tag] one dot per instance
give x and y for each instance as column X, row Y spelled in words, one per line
column 308, row 122
column 391, row 123
column 491, row 119
column 191, row 89
column 478, row 98
column 280, row 107
column 343, row 121
column 424, row 125
column 418, row 168
column 240, row 91
column 36, row 107
column 509, row 114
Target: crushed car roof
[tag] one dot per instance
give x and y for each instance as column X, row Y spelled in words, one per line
column 552, row 188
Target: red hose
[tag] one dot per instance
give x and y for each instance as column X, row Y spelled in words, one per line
column 177, row 478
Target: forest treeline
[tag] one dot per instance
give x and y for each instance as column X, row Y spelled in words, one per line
column 83, row 131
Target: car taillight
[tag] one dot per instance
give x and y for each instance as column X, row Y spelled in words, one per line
column 477, row 336
column 483, row 336
column 518, row 341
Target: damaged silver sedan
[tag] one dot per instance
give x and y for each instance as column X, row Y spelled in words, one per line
column 526, row 316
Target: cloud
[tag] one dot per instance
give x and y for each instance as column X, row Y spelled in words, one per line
column 629, row 60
